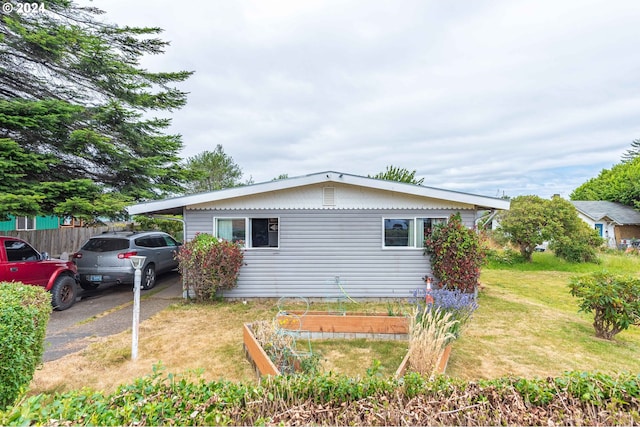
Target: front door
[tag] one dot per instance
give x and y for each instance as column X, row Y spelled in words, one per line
column 600, row 229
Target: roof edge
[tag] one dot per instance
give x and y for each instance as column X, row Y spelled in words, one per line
column 172, row 204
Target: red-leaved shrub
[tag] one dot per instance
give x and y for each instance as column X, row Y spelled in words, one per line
column 209, row 264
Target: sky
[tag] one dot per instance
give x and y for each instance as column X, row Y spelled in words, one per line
column 490, row 97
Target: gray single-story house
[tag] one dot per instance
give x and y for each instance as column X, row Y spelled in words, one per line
column 302, row 233
column 615, row 222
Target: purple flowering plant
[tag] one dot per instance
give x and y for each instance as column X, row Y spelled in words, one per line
column 460, row 304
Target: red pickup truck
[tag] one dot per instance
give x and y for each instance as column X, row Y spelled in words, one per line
column 19, row 262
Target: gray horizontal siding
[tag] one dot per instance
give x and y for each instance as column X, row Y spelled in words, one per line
column 318, row 245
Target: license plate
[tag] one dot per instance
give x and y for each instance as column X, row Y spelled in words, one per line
column 94, row 278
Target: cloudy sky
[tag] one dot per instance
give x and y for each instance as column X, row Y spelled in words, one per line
column 493, row 97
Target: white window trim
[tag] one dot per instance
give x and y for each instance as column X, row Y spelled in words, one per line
column 247, row 230
column 26, row 223
column 415, row 231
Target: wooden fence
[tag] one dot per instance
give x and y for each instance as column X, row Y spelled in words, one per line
column 58, row 241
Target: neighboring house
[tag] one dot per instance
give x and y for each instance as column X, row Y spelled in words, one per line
column 302, row 233
column 615, row 222
column 27, row 223
column 19, row 223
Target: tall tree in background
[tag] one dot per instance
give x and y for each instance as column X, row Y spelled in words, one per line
column 210, row 171
column 76, row 133
column 632, row 152
column 619, row 184
column 393, row 173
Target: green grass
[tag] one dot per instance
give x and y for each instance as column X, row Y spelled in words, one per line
column 547, row 261
column 529, row 325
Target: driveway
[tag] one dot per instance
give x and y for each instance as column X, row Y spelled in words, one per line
column 105, row 311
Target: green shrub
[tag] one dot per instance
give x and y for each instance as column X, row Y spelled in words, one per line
column 614, row 299
column 573, row 398
column 499, row 258
column 209, row 264
column 24, row 313
column 577, row 248
column 456, row 255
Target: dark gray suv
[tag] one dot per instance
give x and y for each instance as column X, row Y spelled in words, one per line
column 104, row 259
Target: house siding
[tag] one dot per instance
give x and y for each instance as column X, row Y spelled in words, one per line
column 318, row 245
column 41, row 223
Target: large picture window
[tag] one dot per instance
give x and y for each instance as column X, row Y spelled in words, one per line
column 408, row 232
column 252, row 232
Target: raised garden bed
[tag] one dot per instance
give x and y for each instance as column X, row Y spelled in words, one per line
column 334, row 326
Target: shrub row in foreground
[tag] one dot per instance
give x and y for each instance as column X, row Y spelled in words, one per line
column 572, row 399
column 24, row 314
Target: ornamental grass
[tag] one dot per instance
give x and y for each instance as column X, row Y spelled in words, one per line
column 429, row 333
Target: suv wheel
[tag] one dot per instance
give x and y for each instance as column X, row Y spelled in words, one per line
column 149, row 277
column 63, row 293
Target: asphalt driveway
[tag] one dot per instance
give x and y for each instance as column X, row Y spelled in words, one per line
column 103, row 312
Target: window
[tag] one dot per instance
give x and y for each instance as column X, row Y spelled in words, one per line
column 25, row 223
column 20, row 251
column 106, row 244
column 426, row 226
column 409, row 232
column 261, row 232
column 151, row 242
column 169, row 241
column 231, row 229
column 398, row 232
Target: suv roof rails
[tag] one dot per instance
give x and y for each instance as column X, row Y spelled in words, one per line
column 116, row 232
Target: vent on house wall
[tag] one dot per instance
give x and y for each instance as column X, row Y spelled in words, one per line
column 328, row 196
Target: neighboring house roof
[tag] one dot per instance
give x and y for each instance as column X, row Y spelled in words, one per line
column 601, row 210
column 175, row 205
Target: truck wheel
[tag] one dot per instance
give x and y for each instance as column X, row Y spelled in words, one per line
column 149, row 277
column 63, row 293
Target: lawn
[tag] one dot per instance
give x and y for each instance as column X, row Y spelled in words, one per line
column 527, row 325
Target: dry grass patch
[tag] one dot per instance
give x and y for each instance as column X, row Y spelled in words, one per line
column 206, row 338
column 354, row 357
column 198, row 338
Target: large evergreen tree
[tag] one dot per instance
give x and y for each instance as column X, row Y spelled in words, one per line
column 632, row 152
column 77, row 136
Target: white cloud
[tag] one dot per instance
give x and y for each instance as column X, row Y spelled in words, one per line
column 489, row 96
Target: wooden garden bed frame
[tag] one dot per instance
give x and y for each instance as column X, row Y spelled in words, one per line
column 337, row 326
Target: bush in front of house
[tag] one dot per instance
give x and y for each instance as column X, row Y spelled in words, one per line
column 456, row 254
column 24, row 314
column 208, row 265
column 614, row 300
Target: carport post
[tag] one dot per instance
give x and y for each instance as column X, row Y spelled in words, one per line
column 137, row 262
